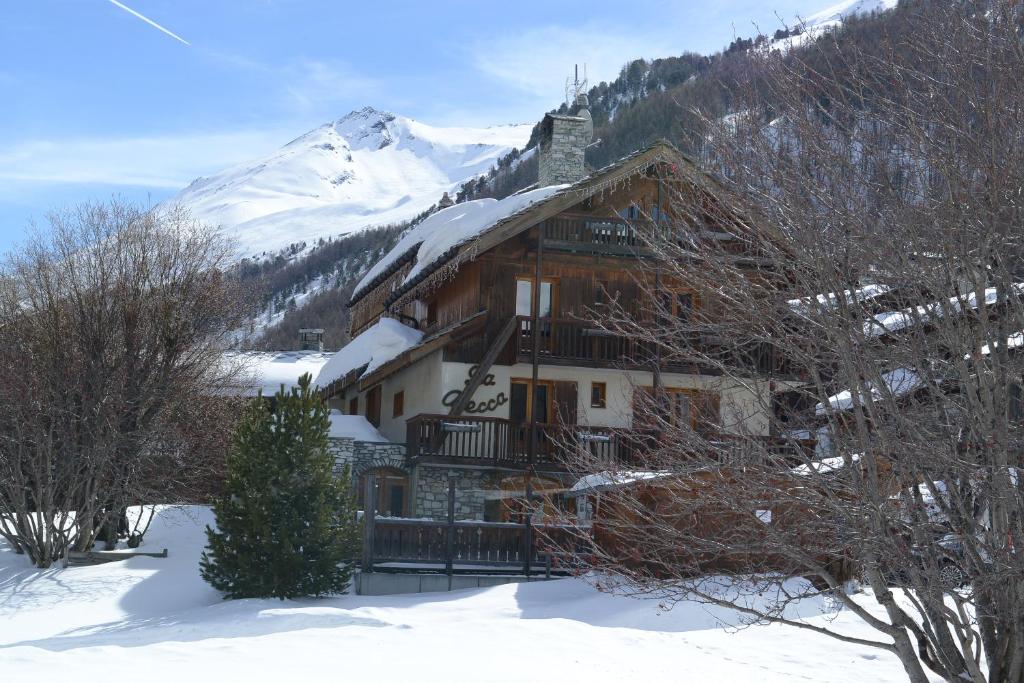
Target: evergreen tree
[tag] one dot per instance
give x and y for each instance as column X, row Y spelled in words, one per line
column 286, row 526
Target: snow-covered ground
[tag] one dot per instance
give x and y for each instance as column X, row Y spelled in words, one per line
column 366, row 169
column 155, row 619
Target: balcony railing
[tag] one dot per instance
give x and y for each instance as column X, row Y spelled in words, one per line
column 576, row 342
column 624, row 237
column 502, row 443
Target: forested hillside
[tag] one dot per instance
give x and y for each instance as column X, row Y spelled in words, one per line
column 663, row 98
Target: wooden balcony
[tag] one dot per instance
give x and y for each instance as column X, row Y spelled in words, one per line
column 574, row 342
column 579, row 343
column 496, row 442
column 587, row 234
column 501, row 443
column 579, row 233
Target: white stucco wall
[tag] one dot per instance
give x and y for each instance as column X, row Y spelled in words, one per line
column 421, row 383
column 743, row 406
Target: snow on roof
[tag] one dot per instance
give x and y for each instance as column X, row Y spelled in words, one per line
column 377, row 345
column 1014, row 341
column 893, row 321
column 354, row 427
column 898, row 382
column 439, row 232
column 823, row 466
column 829, row 300
column 600, row 481
column 266, row 371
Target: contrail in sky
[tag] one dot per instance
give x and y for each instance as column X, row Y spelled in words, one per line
column 149, row 21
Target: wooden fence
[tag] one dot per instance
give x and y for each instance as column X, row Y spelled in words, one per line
column 459, row 546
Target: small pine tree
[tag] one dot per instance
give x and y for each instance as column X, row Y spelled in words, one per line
column 286, row 526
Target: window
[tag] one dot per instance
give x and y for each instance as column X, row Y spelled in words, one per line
column 522, row 401
column 353, row 405
column 524, row 297
column 680, row 407
column 697, row 410
column 373, row 406
column 398, row 404
column 392, row 491
column 682, row 305
column 598, row 394
column 432, row 312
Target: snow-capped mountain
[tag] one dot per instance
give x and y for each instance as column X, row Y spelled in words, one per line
column 834, row 15
column 368, row 168
column 813, row 26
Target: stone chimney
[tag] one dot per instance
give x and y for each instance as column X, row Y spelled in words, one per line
column 563, row 140
column 311, row 339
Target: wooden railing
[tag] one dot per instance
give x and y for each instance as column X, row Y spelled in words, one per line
column 461, row 545
column 562, row 341
column 585, row 230
column 503, row 443
column 619, row 236
column 473, row 543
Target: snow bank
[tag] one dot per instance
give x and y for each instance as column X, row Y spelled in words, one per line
column 353, row 427
column 157, row 619
column 377, row 345
column 439, row 232
column 898, row 382
column 267, row 371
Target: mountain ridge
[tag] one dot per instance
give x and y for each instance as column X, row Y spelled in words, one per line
column 365, row 169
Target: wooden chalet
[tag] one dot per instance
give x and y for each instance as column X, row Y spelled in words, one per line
column 495, row 367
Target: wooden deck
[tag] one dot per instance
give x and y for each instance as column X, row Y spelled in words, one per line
column 500, row 443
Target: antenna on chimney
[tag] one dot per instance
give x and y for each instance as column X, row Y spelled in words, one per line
column 575, row 87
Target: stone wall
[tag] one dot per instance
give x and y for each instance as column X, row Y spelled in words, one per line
column 562, row 144
column 363, row 455
column 430, row 498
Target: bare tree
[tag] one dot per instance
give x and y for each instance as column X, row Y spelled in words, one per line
column 887, row 299
column 112, row 325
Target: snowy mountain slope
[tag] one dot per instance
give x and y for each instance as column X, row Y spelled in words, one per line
column 830, row 18
column 835, row 14
column 367, row 168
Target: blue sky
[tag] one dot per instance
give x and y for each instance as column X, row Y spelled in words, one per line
column 97, row 102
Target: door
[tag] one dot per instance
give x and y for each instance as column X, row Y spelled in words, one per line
column 392, row 492
column 523, row 403
column 373, row 406
column 547, row 306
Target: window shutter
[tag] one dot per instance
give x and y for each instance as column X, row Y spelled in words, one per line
column 708, row 406
column 644, row 409
column 565, row 402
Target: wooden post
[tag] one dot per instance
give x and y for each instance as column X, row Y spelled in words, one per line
column 449, row 552
column 369, row 516
column 528, row 530
column 535, row 321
